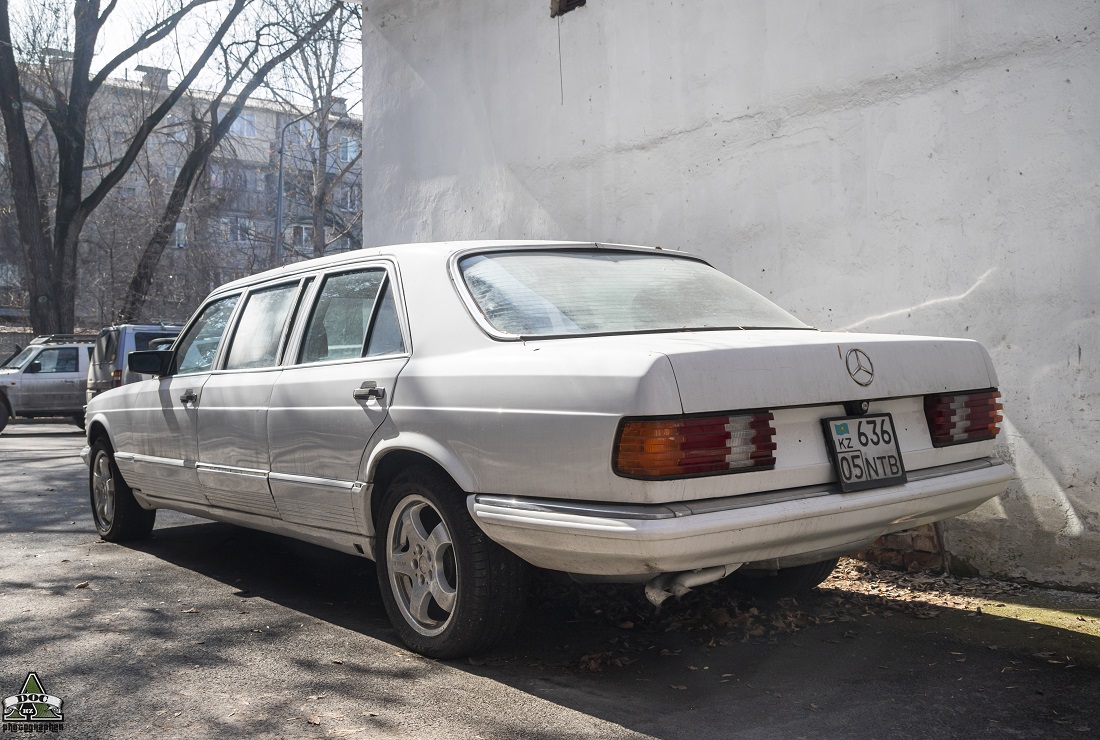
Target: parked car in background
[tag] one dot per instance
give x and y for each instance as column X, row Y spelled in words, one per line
column 46, row 378
column 457, row 410
column 108, row 366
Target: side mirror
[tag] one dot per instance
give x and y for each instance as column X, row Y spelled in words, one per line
column 162, row 343
column 149, row 362
column 34, row 367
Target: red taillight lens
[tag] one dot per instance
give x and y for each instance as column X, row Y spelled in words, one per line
column 116, row 378
column 678, row 447
column 957, row 418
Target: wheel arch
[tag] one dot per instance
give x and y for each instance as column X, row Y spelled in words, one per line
column 97, row 430
column 387, row 462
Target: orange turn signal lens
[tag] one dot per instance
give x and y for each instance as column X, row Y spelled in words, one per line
column 686, row 446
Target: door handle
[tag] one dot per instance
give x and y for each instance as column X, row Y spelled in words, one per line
column 367, row 391
column 189, row 396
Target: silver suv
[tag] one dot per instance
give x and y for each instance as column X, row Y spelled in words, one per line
column 108, row 366
column 47, row 378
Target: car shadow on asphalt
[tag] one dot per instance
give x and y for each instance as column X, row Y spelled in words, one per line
column 716, row 663
column 336, row 587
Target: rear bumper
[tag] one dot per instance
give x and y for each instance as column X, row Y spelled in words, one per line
column 617, row 540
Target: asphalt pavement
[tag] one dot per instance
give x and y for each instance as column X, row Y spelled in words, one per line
column 208, row 630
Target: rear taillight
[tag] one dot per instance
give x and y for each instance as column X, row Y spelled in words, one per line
column 116, row 378
column 685, row 446
column 956, row 418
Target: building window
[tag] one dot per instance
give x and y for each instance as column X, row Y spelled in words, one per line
column 561, row 7
column 236, row 229
column 353, row 197
column 245, row 125
column 303, row 236
column 349, row 147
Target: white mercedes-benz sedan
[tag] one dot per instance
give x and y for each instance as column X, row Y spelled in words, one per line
column 456, row 411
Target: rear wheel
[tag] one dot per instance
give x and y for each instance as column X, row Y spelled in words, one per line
column 117, row 514
column 794, row 581
column 449, row 590
column 78, row 419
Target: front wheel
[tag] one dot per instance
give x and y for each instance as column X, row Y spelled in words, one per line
column 117, row 514
column 448, row 589
column 4, row 415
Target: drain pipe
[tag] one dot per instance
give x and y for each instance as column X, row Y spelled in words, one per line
column 678, row 584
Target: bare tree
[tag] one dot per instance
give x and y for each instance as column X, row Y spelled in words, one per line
column 319, row 78
column 48, row 68
column 245, row 65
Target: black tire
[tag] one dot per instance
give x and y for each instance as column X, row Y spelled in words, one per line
column 454, row 592
column 794, row 581
column 117, row 514
column 78, row 419
column 4, row 414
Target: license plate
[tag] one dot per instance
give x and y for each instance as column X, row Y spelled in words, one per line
column 864, row 450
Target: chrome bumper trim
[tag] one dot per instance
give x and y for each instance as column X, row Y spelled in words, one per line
column 628, row 541
column 654, row 512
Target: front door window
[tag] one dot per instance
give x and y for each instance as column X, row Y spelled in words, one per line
column 196, row 351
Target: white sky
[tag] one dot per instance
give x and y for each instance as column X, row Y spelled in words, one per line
column 126, row 24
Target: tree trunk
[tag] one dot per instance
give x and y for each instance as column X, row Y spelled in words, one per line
column 138, row 292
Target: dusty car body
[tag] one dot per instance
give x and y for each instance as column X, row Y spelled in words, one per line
column 455, row 410
column 46, row 378
column 107, row 368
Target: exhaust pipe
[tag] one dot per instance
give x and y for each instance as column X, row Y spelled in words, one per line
column 678, row 584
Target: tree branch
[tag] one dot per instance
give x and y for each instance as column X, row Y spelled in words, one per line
column 150, row 37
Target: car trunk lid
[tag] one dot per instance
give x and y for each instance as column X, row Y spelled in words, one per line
column 731, row 370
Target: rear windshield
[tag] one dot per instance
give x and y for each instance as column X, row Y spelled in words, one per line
column 142, row 338
column 572, row 293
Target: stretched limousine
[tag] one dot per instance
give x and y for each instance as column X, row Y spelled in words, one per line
column 455, row 411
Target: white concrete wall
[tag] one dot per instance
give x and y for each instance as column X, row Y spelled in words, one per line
column 917, row 167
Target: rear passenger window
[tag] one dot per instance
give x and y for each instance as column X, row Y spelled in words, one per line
column 260, row 330
column 338, row 327
column 385, row 335
column 196, row 351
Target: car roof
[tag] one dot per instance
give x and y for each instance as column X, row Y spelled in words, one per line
column 439, row 250
column 156, row 326
column 61, row 339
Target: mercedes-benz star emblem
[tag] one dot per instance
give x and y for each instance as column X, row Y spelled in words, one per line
column 860, row 367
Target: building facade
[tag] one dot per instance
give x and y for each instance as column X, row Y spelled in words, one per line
column 227, row 229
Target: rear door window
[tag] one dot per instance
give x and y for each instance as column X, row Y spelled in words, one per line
column 341, row 317
column 385, row 334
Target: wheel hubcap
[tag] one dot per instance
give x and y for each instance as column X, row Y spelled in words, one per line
column 420, row 558
column 103, row 491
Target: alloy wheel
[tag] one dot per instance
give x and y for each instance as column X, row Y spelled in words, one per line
column 423, row 573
